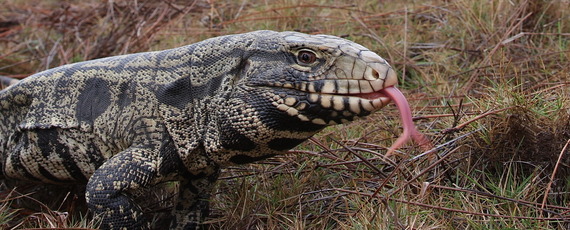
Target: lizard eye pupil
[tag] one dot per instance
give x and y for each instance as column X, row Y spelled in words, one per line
column 306, row 57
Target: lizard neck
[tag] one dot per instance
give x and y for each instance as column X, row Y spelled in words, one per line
column 242, row 134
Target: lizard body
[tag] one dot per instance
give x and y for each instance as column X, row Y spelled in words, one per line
column 126, row 122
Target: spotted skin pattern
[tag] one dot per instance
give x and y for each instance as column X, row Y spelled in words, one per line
column 128, row 122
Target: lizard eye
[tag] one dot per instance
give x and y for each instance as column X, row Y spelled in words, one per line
column 306, row 57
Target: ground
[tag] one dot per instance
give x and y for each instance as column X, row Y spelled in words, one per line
column 487, row 81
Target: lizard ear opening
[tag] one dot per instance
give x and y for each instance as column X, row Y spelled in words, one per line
column 243, row 68
column 240, row 71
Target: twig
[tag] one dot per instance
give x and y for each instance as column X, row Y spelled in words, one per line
column 439, row 147
column 461, row 126
column 438, row 116
column 405, row 54
column 550, row 88
column 547, row 190
column 366, row 161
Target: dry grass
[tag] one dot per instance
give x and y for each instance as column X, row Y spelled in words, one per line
column 488, row 81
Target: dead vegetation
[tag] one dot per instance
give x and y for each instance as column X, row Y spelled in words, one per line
column 488, row 81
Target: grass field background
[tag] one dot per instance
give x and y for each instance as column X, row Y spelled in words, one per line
column 487, row 81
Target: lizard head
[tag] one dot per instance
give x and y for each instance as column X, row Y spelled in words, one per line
column 321, row 79
column 287, row 86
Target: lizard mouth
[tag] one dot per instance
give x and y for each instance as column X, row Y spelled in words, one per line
column 371, row 96
column 370, row 102
column 333, row 108
column 333, row 100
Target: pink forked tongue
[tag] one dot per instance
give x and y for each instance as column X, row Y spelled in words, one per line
column 410, row 130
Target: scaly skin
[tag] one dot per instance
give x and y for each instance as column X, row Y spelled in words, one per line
column 127, row 122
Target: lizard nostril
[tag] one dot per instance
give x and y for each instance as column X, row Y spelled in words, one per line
column 375, row 74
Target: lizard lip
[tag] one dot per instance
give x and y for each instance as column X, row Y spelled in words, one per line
column 377, row 99
column 372, row 96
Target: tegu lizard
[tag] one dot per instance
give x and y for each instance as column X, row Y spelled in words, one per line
column 127, row 122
